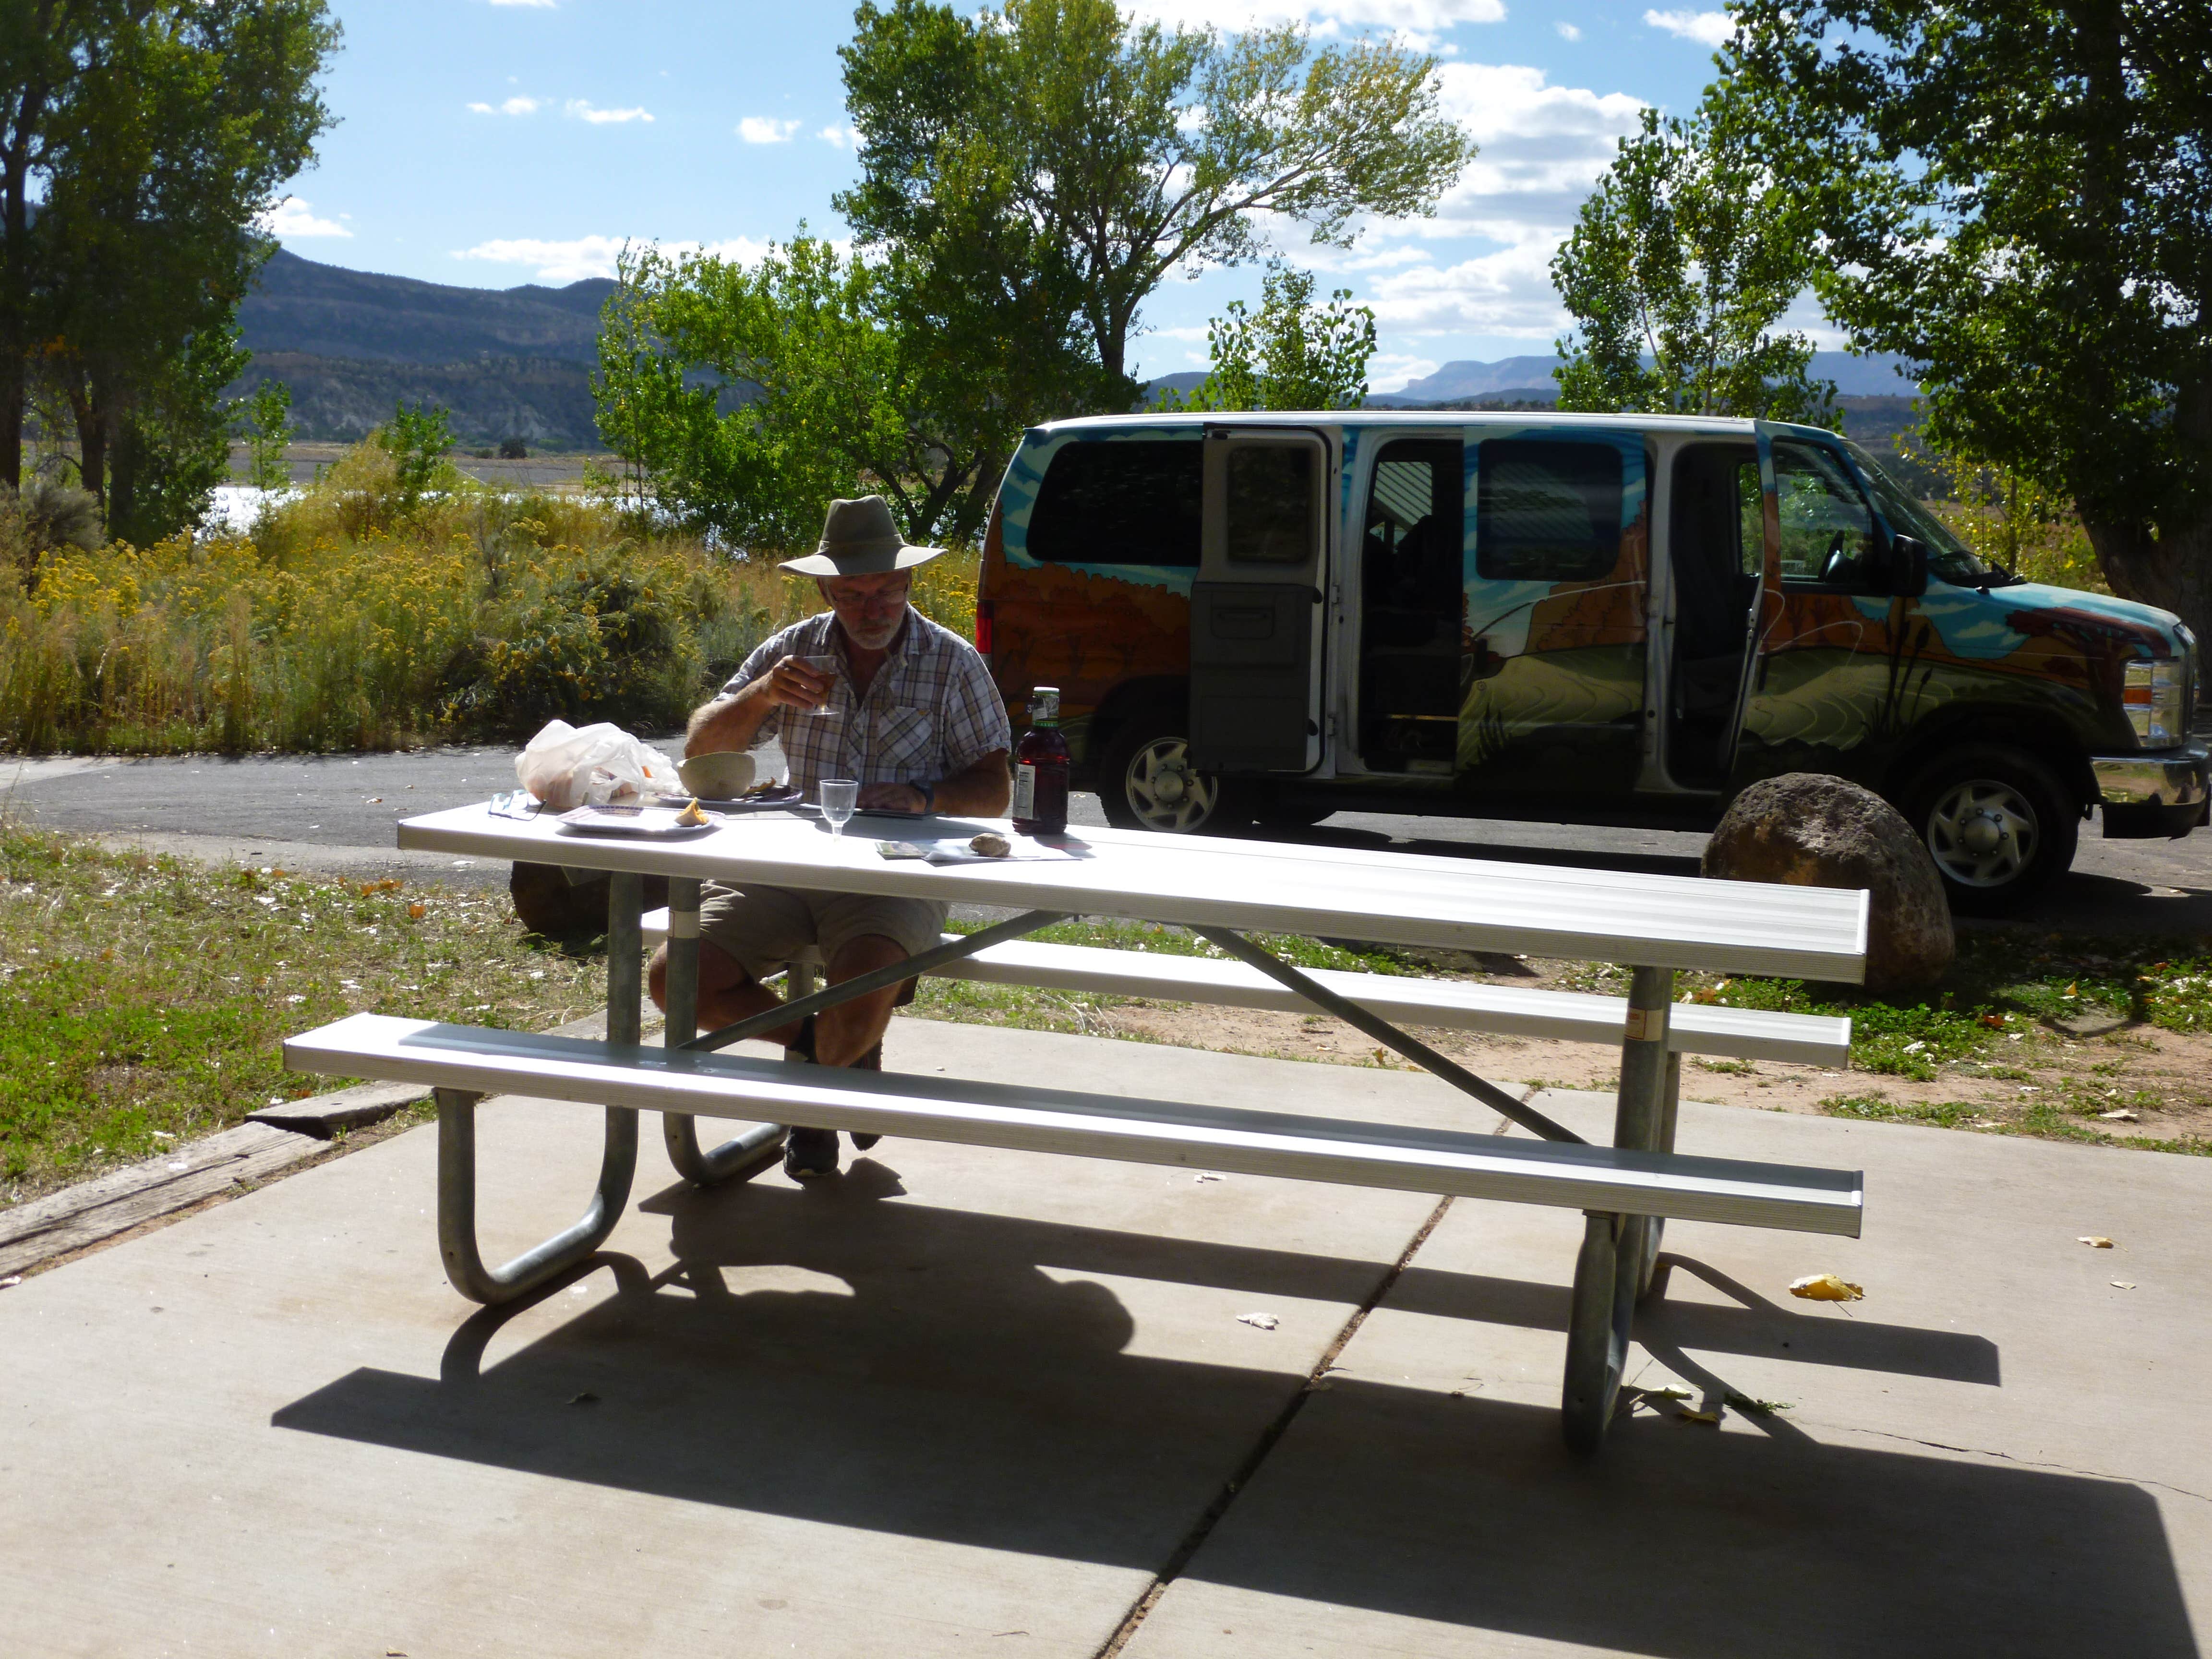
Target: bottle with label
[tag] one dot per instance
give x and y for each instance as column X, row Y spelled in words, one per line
column 1040, row 769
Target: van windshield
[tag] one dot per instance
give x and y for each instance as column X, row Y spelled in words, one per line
column 1948, row 558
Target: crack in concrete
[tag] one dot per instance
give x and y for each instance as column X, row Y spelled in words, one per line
column 2035, row 1463
column 1269, row 1436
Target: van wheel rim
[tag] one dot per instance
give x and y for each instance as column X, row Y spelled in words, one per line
column 1983, row 833
column 1164, row 791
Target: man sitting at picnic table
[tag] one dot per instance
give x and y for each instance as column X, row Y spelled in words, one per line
column 910, row 712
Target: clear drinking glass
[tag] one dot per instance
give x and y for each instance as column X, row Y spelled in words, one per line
column 838, row 795
column 824, row 665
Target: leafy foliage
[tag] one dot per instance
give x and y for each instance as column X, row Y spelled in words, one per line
column 268, row 419
column 2019, row 196
column 1294, row 355
column 1680, row 265
column 751, row 398
column 1059, row 160
column 139, row 142
column 418, row 441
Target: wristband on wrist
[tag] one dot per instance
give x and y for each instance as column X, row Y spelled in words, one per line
column 929, row 796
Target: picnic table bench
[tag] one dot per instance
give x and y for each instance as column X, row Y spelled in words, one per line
column 1221, row 890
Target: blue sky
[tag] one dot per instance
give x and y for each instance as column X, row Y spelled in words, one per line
column 492, row 143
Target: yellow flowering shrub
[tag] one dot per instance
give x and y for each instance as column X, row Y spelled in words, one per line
column 344, row 621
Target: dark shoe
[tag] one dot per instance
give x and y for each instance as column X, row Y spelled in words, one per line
column 808, row 1153
column 871, row 1061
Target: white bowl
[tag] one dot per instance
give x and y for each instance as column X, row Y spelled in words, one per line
column 723, row 775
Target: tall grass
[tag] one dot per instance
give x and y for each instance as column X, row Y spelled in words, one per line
column 348, row 618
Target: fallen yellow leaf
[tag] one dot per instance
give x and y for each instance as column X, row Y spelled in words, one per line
column 415, row 911
column 1689, row 1416
column 1826, row 1287
column 2095, row 1241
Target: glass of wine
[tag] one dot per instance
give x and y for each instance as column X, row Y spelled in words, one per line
column 838, row 796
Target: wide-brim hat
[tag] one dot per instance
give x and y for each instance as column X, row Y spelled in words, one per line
column 860, row 538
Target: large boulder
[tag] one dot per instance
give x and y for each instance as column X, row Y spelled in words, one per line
column 1808, row 830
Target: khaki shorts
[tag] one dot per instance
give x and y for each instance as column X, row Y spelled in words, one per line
column 761, row 928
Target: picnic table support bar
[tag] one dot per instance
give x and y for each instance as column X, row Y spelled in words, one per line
column 1383, row 1032
column 844, row 990
column 1618, row 1250
column 747, row 1153
column 457, row 1206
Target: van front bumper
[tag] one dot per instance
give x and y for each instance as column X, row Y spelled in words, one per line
column 2163, row 794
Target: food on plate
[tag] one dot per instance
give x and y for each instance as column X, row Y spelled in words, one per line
column 692, row 815
column 765, row 786
column 991, row 845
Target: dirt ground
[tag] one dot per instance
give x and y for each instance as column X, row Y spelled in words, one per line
column 2046, row 1081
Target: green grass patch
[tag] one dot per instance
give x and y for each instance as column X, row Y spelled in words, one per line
column 143, row 1001
column 1875, row 1109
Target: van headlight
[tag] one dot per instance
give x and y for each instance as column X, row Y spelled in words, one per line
column 2154, row 694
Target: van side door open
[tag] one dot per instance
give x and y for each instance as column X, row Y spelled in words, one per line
column 1255, row 610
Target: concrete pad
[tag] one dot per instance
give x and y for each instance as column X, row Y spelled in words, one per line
column 958, row 1399
column 1997, row 1452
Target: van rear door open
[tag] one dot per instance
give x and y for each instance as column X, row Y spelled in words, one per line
column 1255, row 610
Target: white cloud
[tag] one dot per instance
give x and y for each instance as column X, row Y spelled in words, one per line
column 289, row 220
column 1543, row 147
column 543, row 5
column 583, row 111
column 512, row 106
column 762, row 130
column 1388, row 371
column 579, row 257
column 1417, row 18
column 1709, row 28
column 839, row 137
column 1568, row 32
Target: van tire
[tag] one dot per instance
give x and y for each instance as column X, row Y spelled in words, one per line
column 1998, row 822
column 1145, row 782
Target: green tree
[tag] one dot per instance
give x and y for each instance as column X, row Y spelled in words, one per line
column 1680, row 265
column 2018, row 195
column 269, row 430
column 139, row 140
column 1068, row 160
column 749, row 397
column 1294, row 355
column 418, row 441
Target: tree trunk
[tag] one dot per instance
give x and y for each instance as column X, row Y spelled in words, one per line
column 91, row 438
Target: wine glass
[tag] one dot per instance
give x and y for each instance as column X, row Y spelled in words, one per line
column 827, row 666
column 838, row 796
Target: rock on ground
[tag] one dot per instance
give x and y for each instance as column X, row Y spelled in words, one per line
column 1808, row 830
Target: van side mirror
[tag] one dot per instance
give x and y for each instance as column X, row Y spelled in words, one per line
column 1908, row 567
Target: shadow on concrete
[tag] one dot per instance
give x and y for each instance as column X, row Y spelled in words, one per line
column 949, row 1375
column 1693, row 1543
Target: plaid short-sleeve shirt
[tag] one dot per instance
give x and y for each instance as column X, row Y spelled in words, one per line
column 929, row 712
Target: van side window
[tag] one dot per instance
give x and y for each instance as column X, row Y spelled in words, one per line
column 1548, row 511
column 1121, row 502
column 1270, row 504
column 1827, row 531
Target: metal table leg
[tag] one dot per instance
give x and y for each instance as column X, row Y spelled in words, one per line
column 1618, row 1249
column 457, row 1141
column 744, row 1155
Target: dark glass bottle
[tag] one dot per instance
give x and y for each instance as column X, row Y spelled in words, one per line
column 1040, row 769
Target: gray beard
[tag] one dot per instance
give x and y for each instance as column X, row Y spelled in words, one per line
column 874, row 639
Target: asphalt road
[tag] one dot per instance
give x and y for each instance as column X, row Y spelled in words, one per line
column 336, row 813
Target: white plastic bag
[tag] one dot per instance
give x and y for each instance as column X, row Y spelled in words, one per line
column 566, row 767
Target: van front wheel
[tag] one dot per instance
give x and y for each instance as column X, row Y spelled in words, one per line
column 1999, row 825
column 1146, row 781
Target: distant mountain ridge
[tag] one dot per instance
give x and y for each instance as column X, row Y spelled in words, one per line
column 326, row 311
column 1529, row 379
column 506, row 362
